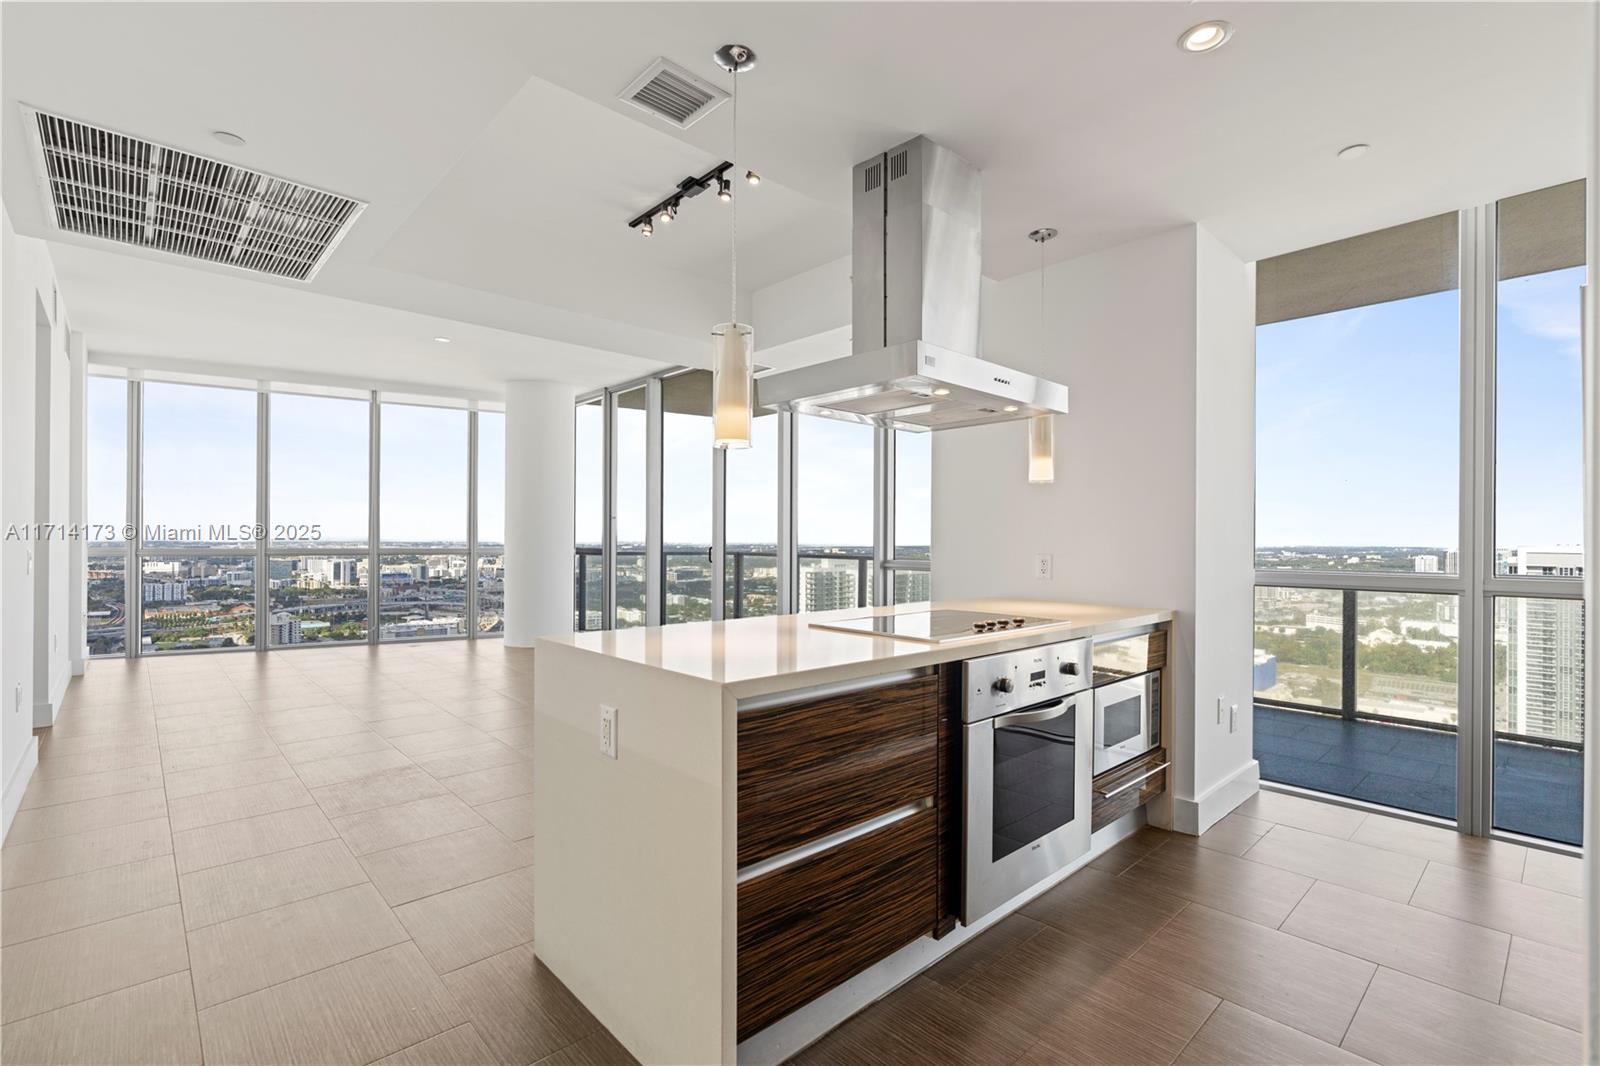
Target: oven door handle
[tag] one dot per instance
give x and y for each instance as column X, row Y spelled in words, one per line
column 1054, row 709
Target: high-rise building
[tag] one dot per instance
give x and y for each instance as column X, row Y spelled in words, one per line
column 826, row 588
column 286, row 629
column 341, row 572
column 1544, row 641
column 1426, row 564
column 165, row 592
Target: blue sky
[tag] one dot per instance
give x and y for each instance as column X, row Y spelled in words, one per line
column 1356, row 443
column 200, row 463
column 1357, row 417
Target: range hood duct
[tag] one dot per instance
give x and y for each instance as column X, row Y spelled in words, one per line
column 916, row 273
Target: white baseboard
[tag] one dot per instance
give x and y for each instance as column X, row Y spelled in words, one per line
column 18, row 784
column 44, row 711
column 1197, row 815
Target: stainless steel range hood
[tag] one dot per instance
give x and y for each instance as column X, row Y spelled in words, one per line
column 916, row 259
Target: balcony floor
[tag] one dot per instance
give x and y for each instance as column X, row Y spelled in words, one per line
column 1538, row 790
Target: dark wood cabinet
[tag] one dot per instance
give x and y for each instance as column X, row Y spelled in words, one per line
column 1127, row 787
column 805, row 928
column 813, row 770
column 817, row 767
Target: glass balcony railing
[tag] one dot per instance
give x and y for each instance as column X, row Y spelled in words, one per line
column 1356, row 695
column 829, row 579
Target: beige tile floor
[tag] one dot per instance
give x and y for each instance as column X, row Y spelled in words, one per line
column 316, row 856
column 323, row 856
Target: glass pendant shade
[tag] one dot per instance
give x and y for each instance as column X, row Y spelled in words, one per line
column 1041, row 449
column 732, row 384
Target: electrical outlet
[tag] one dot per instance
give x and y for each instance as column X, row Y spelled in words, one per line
column 1233, row 718
column 608, row 731
column 1042, row 565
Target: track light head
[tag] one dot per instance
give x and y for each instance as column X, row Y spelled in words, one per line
column 646, row 229
column 724, row 190
column 667, row 213
column 752, row 177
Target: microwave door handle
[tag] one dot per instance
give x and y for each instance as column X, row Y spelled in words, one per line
column 1054, row 709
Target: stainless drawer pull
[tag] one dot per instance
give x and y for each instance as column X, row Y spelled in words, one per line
column 1141, row 779
column 831, row 841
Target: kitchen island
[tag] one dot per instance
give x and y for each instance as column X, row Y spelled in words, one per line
column 739, row 823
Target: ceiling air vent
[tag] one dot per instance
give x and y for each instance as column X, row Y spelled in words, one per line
column 120, row 188
column 669, row 92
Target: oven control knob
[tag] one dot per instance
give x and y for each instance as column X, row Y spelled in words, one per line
column 1070, row 669
column 1002, row 684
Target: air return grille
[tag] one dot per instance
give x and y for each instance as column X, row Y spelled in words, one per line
column 120, row 188
column 670, row 92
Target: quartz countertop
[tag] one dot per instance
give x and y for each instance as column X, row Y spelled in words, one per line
column 755, row 656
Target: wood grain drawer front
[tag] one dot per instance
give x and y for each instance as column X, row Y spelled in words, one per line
column 1118, row 791
column 805, row 928
column 810, row 769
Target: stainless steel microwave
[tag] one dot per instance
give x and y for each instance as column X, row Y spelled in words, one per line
column 1127, row 720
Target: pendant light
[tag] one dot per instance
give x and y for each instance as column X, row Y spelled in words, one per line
column 1042, row 426
column 732, row 342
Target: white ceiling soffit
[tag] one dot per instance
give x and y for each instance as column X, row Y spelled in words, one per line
column 116, row 187
column 673, row 94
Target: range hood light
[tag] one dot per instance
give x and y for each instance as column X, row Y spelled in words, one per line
column 941, row 392
column 1010, row 408
column 1041, row 449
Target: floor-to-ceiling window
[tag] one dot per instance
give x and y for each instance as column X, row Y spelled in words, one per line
column 422, row 564
column 317, row 517
column 1419, row 626
column 816, row 514
column 833, row 512
column 106, row 510
column 197, row 566
column 588, row 515
column 629, row 526
column 490, row 552
column 1538, row 636
column 687, row 459
column 244, row 512
column 750, row 584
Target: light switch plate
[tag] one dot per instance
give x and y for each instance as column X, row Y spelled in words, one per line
column 608, row 731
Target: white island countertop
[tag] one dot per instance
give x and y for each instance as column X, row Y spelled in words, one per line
column 755, row 656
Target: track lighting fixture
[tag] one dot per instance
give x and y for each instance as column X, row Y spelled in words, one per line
column 666, row 209
column 752, row 177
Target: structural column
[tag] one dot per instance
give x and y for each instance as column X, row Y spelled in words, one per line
column 539, row 488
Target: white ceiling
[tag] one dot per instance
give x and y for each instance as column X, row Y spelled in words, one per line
column 501, row 169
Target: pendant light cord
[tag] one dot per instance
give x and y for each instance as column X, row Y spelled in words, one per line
column 733, row 217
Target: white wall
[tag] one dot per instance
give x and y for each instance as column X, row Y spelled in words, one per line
column 1147, row 336
column 29, row 675
column 539, row 486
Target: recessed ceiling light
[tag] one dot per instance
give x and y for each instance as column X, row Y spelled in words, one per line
column 441, row 340
column 1354, row 151
column 1205, row 37
column 232, row 140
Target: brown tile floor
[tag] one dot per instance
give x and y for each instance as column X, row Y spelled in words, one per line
column 322, row 856
column 1292, row 932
